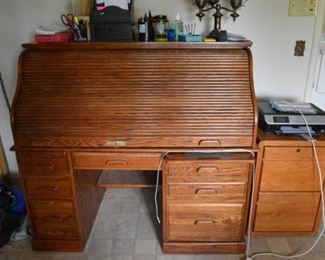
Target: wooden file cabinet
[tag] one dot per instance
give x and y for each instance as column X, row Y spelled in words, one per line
column 287, row 190
column 54, row 198
column 205, row 201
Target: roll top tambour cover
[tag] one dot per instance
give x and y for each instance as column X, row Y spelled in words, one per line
column 135, row 95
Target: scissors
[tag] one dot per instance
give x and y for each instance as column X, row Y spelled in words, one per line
column 68, row 20
column 72, row 21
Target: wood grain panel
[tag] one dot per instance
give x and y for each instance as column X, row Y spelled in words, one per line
column 89, row 198
column 207, row 171
column 223, row 193
column 289, row 197
column 137, row 94
column 204, row 222
column 53, row 219
column 285, row 217
column 116, row 161
column 50, row 189
column 293, row 153
column 290, row 176
column 45, row 164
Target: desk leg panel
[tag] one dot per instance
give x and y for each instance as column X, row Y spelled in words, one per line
column 203, row 248
column 89, row 198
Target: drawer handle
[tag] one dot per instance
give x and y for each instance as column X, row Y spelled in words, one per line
column 203, row 169
column 49, row 188
column 51, row 167
column 210, row 142
column 298, row 150
column 204, row 221
column 206, row 191
column 43, row 142
column 116, row 162
column 57, row 218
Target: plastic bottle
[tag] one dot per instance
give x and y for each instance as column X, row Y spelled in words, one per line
column 146, row 26
column 178, row 25
column 141, row 29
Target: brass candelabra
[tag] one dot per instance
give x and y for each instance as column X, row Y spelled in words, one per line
column 215, row 4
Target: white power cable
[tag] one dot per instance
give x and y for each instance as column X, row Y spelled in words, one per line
column 157, row 186
column 313, row 141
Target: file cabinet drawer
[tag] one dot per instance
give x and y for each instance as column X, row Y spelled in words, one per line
column 53, row 219
column 49, row 164
column 282, row 217
column 50, row 189
column 207, row 171
column 290, row 176
column 205, row 222
column 117, row 161
column 224, row 193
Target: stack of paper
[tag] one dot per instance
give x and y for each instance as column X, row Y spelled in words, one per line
column 231, row 37
column 50, row 30
column 292, row 107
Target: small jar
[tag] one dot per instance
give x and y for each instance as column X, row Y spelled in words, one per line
column 160, row 24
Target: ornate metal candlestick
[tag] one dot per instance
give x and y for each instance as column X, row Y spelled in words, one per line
column 215, row 4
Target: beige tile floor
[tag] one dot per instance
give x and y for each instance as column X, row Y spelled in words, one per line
column 126, row 229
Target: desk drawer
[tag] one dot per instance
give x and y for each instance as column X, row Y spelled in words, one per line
column 53, row 219
column 286, row 212
column 48, row 164
column 50, row 189
column 293, row 153
column 207, row 171
column 224, row 193
column 117, row 161
column 289, row 176
column 205, row 222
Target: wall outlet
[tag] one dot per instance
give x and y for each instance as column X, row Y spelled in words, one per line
column 303, row 7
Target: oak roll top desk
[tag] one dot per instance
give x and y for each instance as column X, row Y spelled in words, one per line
column 82, row 108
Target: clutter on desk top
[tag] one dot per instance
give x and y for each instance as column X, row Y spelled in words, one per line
column 50, row 30
column 113, row 20
column 72, row 28
column 102, row 4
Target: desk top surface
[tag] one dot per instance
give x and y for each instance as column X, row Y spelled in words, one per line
column 136, row 45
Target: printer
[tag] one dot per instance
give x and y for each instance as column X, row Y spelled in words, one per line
column 112, row 20
column 291, row 121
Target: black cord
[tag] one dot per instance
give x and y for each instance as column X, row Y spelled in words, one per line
column 4, row 92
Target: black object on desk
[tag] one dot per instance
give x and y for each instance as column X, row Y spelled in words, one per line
column 112, row 23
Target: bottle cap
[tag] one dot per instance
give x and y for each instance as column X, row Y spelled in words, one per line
column 178, row 17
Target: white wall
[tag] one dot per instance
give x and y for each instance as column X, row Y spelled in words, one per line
column 277, row 72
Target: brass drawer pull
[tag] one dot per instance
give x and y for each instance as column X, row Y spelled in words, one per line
column 203, row 169
column 204, row 221
column 210, row 142
column 116, row 162
column 206, row 191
